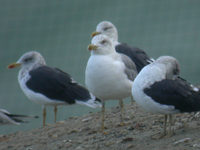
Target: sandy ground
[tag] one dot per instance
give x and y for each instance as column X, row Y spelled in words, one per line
column 141, row 132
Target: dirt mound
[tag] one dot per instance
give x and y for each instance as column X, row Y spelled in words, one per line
column 80, row 133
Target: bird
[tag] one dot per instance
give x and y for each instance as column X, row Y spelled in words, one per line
column 50, row 86
column 16, row 119
column 137, row 55
column 159, row 88
column 109, row 75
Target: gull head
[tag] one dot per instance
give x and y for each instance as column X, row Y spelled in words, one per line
column 29, row 60
column 101, row 44
column 106, row 28
column 171, row 65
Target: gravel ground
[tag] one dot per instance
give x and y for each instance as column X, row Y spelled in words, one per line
column 141, row 132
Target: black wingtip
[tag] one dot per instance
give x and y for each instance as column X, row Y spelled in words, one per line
column 18, row 119
column 35, row 116
column 98, row 100
column 22, row 116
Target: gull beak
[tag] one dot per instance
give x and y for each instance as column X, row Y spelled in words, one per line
column 95, row 33
column 14, row 65
column 92, row 47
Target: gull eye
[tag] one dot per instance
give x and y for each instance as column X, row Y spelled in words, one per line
column 176, row 70
column 103, row 42
column 28, row 59
column 106, row 28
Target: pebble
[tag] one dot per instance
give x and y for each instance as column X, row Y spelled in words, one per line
column 196, row 145
column 86, row 119
column 182, row 141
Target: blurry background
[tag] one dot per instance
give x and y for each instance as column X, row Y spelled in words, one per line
column 60, row 30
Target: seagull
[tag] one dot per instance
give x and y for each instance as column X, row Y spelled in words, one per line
column 109, row 75
column 158, row 88
column 8, row 118
column 137, row 55
column 50, row 86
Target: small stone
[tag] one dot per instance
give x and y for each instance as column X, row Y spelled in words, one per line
column 86, row 119
column 182, row 141
column 61, row 122
column 54, row 135
column 131, row 128
column 79, row 148
column 67, row 141
column 130, row 146
column 196, row 145
column 73, row 131
column 127, row 139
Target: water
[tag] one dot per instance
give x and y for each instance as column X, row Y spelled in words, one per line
column 60, row 31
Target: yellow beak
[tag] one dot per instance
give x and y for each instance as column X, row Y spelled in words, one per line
column 95, row 33
column 92, row 47
column 14, row 65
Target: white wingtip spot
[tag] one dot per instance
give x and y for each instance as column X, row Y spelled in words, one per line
column 151, row 60
column 91, row 102
column 194, row 88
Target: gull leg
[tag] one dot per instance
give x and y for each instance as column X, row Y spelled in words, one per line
column 132, row 100
column 171, row 132
column 121, row 112
column 102, row 113
column 159, row 136
column 55, row 112
column 165, row 125
column 44, row 115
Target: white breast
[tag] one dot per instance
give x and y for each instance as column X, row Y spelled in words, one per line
column 105, row 78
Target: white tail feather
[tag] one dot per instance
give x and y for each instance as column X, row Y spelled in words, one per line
column 91, row 102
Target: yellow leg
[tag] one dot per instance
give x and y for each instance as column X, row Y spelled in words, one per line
column 55, row 112
column 44, row 115
column 165, row 125
column 121, row 112
column 171, row 122
column 102, row 113
column 132, row 100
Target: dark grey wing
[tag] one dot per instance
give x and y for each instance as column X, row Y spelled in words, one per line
column 138, row 56
column 130, row 69
column 177, row 93
column 57, row 85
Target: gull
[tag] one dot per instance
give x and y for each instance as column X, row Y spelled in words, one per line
column 16, row 119
column 158, row 88
column 109, row 75
column 50, row 86
column 137, row 55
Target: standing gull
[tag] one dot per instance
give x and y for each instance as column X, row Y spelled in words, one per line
column 8, row 118
column 109, row 75
column 159, row 89
column 50, row 86
column 138, row 56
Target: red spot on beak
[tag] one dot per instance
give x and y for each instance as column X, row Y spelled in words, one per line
column 11, row 66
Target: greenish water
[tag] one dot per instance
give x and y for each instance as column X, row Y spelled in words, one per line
column 60, row 31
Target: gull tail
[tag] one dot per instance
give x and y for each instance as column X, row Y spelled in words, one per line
column 8, row 118
column 92, row 102
column 20, row 118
